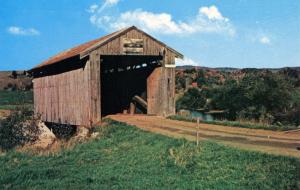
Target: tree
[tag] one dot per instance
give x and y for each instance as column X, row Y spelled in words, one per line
column 191, row 100
column 255, row 96
column 201, row 80
column 14, row 74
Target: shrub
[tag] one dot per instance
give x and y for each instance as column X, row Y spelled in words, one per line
column 14, row 74
column 18, row 129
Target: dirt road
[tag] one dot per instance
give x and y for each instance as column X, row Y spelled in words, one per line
column 274, row 142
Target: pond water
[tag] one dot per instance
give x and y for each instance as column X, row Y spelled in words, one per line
column 202, row 116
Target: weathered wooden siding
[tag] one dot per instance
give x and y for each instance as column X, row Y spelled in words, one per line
column 74, row 97
column 95, row 88
column 151, row 47
column 64, row 98
column 161, row 91
column 161, row 83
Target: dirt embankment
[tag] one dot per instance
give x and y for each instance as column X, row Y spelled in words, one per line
column 4, row 113
column 274, row 142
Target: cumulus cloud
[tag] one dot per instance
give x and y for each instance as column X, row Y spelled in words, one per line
column 265, row 40
column 212, row 13
column 15, row 30
column 186, row 61
column 207, row 20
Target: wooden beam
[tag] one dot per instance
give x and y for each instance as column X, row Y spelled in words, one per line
column 140, row 101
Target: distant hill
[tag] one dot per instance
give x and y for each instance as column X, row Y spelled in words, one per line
column 226, row 69
column 186, row 75
column 15, row 80
column 231, row 69
column 186, row 67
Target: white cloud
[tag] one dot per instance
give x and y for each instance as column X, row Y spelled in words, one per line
column 265, row 40
column 186, row 61
column 212, row 13
column 148, row 21
column 111, row 2
column 15, row 30
column 97, row 9
column 92, row 8
column 207, row 20
column 107, row 3
column 260, row 37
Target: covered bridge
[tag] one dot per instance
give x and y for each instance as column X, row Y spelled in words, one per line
column 127, row 71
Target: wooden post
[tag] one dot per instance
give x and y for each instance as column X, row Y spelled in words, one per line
column 132, row 108
column 198, row 130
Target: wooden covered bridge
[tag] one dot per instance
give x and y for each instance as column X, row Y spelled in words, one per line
column 126, row 71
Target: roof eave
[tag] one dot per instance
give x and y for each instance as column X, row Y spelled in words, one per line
column 87, row 52
column 117, row 34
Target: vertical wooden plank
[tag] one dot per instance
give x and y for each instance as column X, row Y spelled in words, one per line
column 95, row 87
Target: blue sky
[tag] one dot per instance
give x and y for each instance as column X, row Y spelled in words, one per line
column 215, row 33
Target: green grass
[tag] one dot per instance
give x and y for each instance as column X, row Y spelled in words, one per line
column 16, row 97
column 236, row 124
column 125, row 157
column 15, row 107
column 11, row 100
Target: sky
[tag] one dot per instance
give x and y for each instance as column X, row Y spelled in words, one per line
column 211, row 33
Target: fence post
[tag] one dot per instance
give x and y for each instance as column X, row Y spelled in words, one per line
column 198, row 122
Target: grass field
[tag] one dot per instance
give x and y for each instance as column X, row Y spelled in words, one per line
column 16, row 97
column 236, row 124
column 125, row 157
column 11, row 100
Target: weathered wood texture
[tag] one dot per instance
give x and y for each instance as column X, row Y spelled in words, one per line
column 71, row 97
column 95, row 88
column 133, row 46
column 161, row 83
column 74, row 97
column 161, row 92
column 150, row 46
column 64, row 98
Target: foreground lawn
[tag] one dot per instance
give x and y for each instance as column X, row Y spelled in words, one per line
column 125, row 157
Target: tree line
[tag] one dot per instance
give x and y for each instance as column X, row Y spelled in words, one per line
column 256, row 95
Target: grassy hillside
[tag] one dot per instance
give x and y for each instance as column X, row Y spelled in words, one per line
column 125, row 157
